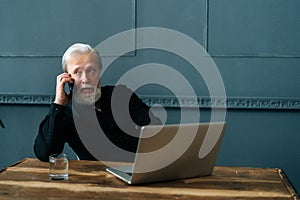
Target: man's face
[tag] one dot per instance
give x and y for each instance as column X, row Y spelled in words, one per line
column 85, row 70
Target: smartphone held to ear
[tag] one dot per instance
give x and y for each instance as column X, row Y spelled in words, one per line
column 68, row 87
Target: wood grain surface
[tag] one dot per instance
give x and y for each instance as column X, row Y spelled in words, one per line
column 29, row 179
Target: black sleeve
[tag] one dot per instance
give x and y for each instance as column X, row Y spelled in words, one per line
column 141, row 113
column 50, row 138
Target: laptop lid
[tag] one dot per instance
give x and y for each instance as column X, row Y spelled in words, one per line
column 169, row 152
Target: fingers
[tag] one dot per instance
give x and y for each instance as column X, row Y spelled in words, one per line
column 63, row 78
column 61, row 97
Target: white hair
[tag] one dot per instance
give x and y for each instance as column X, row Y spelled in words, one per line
column 78, row 48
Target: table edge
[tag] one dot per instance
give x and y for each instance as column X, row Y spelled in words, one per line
column 14, row 164
column 288, row 184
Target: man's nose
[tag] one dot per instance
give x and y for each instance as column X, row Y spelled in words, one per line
column 84, row 78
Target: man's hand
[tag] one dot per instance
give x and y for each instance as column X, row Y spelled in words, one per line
column 61, row 97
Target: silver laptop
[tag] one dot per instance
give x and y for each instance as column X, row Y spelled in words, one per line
column 170, row 152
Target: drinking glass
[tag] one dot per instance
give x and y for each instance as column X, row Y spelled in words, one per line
column 59, row 167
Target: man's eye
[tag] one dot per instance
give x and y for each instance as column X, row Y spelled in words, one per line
column 91, row 71
column 77, row 72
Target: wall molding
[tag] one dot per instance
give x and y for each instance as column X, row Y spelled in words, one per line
column 277, row 103
column 26, row 99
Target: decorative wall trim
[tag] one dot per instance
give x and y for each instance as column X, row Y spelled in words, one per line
column 229, row 102
column 25, row 99
column 276, row 103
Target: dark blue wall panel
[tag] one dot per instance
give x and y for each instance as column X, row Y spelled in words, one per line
column 254, row 27
column 46, row 28
column 188, row 17
column 260, row 77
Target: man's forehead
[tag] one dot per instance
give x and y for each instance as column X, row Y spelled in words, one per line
column 79, row 60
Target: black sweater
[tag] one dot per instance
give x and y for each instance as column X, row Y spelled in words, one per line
column 59, row 128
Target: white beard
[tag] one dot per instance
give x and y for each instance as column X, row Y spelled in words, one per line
column 87, row 98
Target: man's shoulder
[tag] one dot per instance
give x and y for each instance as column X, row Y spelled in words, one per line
column 120, row 92
column 116, row 92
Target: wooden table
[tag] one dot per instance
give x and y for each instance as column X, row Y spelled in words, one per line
column 28, row 179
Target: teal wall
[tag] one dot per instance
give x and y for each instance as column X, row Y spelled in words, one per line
column 254, row 43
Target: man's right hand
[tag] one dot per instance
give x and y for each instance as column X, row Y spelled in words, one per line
column 61, row 97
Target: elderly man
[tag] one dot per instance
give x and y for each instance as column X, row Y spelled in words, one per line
column 82, row 68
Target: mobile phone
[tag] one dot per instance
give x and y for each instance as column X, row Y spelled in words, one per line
column 68, row 87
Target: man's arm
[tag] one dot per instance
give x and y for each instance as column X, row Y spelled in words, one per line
column 50, row 138
column 141, row 113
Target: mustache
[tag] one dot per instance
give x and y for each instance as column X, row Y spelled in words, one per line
column 86, row 86
column 87, row 98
